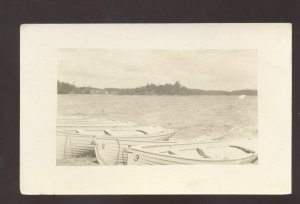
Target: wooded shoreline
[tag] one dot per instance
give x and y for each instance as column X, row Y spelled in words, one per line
column 149, row 89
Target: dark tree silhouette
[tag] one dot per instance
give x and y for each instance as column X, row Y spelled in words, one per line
column 148, row 89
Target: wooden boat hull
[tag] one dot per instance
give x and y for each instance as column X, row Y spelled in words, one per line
column 96, row 126
column 71, row 144
column 113, row 151
column 69, row 123
column 144, row 156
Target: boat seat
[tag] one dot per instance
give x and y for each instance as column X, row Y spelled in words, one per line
column 142, row 131
column 108, row 132
column 80, row 131
column 243, row 149
column 169, row 152
column 201, row 153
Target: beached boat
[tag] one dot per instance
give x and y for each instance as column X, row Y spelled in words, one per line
column 82, row 120
column 78, row 142
column 73, row 145
column 93, row 126
column 90, row 124
column 113, row 150
column 209, row 152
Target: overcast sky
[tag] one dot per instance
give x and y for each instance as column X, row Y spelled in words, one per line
column 203, row 69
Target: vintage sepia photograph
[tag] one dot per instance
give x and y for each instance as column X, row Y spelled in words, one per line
column 143, row 109
column 156, row 107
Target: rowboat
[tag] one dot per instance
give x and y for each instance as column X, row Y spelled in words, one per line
column 79, row 119
column 113, row 150
column 210, row 152
column 90, row 123
column 84, row 120
column 94, row 126
column 73, row 145
column 78, row 142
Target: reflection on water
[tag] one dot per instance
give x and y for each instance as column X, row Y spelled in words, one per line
column 191, row 116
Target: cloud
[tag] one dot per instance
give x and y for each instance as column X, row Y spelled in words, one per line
column 204, row 69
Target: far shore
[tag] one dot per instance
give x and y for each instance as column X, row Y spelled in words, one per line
column 151, row 89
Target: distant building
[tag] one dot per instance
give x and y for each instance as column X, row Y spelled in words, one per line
column 97, row 91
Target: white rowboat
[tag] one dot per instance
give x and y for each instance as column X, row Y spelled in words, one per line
column 210, row 152
column 74, row 143
column 71, row 122
column 92, row 125
column 113, row 150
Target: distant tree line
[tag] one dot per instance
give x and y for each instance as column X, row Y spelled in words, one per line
column 149, row 89
column 67, row 88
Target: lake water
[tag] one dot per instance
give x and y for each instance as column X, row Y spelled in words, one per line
column 191, row 116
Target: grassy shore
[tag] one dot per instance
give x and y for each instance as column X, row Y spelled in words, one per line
column 78, row 161
column 88, row 161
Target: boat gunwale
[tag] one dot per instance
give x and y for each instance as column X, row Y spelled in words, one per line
column 166, row 133
column 138, row 149
column 252, row 155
